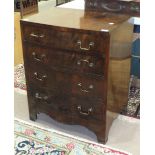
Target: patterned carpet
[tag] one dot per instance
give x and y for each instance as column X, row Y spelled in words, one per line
column 35, row 140
column 132, row 109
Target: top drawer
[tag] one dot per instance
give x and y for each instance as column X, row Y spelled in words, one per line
column 69, row 40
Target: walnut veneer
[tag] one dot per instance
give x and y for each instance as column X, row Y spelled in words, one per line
column 77, row 66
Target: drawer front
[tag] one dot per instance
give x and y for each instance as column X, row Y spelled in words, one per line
column 56, row 105
column 88, row 109
column 65, row 82
column 88, row 86
column 48, row 79
column 77, row 41
column 84, row 63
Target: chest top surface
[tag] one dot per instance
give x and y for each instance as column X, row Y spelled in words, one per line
column 77, row 19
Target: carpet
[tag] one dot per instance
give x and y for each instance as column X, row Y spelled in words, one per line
column 132, row 109
column 31, row 139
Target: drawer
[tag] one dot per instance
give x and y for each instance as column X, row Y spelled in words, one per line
column 84, row 63
column 69, row 40
column 48, row 79
column 51, row 103
column 88, row 87
column 88, row 109
column 65, row 82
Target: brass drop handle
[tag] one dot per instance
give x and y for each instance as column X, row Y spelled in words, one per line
column 42, row 78
column 90, row 110
column 36, row 35
column 40, row 59
column 39, row 97
column 91, row 44
column 85, row 90
column 90, row 64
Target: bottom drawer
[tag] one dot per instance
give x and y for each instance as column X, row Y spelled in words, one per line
column 66, row 108
column 54, row 105
column 88, row 109
column 59, row 113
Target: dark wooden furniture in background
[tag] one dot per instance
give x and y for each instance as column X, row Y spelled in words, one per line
column 26, row 7
column 59, row 2
column 77, row 70
column 116, row 6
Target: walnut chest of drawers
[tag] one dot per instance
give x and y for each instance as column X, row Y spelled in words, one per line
column 77, row 66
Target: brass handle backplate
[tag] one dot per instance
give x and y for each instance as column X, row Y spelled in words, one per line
column 41, row 97
column 91, row 44
column 37, row 58
column 85, row 90
column 42, row 78
column 37, row 35
column 90, row 64
column 90, row 110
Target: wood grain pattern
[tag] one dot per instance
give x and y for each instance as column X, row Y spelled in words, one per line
column 44, row 36
column 84, row 62
column 61, row 80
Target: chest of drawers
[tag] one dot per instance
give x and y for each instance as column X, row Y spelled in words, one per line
column 77, row 70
